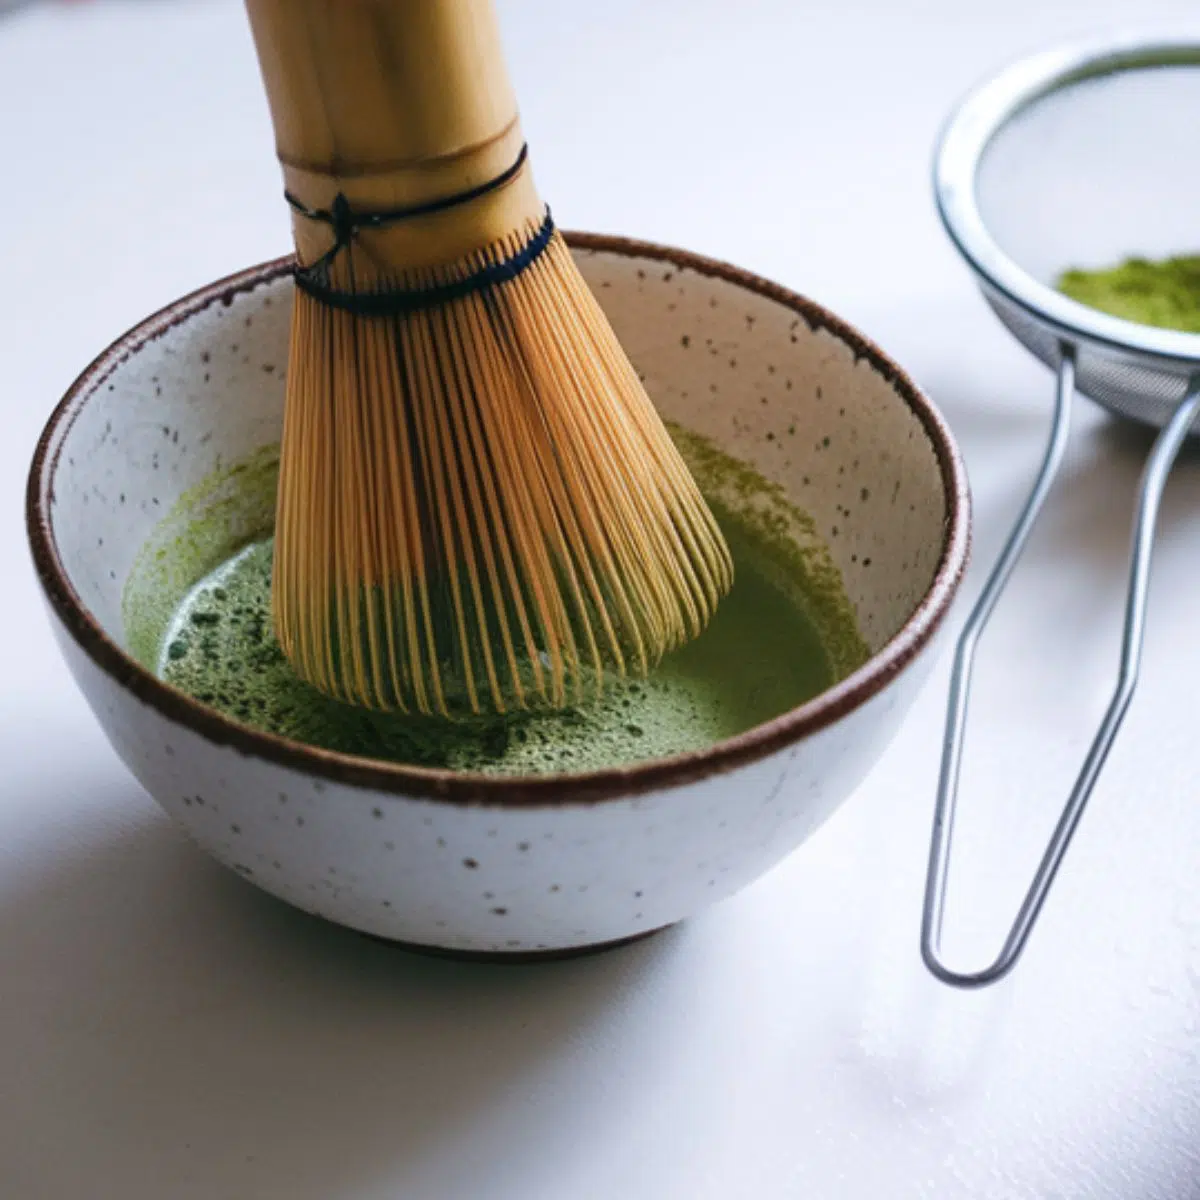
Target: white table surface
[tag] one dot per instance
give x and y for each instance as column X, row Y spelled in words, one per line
column 169, row 1033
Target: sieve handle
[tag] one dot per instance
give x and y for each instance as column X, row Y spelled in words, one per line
column 1154, row 478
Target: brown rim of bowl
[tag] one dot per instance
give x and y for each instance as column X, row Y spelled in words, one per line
column 486, row 790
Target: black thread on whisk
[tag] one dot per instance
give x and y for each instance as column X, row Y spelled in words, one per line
column 390, row 302
column 381, row 219
column 386, row 302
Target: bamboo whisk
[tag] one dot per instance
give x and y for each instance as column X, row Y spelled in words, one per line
column 479, row 508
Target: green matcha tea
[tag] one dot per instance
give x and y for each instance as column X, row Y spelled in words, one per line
column 1165, row 294
column 785, row 633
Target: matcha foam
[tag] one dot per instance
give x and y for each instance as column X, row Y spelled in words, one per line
column 785, row 633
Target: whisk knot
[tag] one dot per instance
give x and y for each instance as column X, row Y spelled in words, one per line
column 346, row 222
column 343, row 220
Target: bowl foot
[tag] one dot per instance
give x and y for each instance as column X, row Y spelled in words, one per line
column 514, row 956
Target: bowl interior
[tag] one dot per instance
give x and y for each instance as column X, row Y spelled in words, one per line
column 772, row 381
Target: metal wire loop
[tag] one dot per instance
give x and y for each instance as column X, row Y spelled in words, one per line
column 1154, row 477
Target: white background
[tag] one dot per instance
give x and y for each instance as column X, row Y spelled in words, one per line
column 168, row 1032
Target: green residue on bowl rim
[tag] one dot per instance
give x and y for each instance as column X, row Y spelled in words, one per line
column 207, row 524
column 786, row 535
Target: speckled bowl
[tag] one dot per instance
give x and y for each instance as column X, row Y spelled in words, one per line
column 516, row 866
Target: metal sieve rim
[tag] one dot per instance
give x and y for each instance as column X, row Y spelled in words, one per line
column 967, row 135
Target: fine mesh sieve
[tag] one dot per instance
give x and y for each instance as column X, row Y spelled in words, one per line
column 1077, row 157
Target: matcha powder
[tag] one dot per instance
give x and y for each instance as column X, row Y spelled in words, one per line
column 1165, row 294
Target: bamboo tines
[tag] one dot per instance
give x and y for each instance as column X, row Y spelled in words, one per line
column 479, row 507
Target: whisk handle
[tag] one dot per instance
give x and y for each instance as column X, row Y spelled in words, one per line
column 363, row 86
column 395, row 105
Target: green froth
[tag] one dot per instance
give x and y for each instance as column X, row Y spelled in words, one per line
column 205, row 526
column 758, row 658
column 1164, row 293
column 782, row 540
column 197, row 610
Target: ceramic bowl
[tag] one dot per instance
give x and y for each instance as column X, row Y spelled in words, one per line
column 512, row 866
